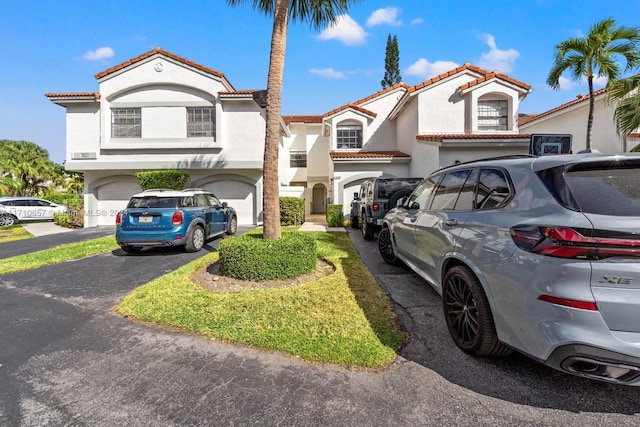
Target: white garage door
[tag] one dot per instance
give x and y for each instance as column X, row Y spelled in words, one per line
column 239, row 195
column 113, row 197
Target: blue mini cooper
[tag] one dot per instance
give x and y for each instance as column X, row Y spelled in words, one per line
column 173, row 218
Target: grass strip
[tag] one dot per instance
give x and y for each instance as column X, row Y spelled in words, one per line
column 12, row 233
column 344, row 318
column 57, row 254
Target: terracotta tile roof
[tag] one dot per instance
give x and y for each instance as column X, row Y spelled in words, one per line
column 301, row 119
column 78, row 95
column 382, row 92
column 634, row 135
column 494, row 75
column 471, row 136
column 466, row 66
column 239, row 92
column 159, row 50
column 351, row 106
column 580, row 98
column 335, row 155
column 523, row 119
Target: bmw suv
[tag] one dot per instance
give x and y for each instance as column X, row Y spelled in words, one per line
column 173, row 218
column 536, row 254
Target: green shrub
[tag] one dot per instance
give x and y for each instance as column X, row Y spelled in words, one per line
column 334, row 216
column 291, row 210
column 250, row 257
column 75, row 217
column 168, row 178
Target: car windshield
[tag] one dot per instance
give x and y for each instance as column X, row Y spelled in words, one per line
column 387, row 187
column 154, row 202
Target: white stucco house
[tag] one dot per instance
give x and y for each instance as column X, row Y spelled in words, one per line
column 160, row 111
column 571, row 118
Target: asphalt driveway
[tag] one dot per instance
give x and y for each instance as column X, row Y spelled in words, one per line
column 65, row 359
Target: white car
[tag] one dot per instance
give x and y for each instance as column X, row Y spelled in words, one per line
column 18, row 209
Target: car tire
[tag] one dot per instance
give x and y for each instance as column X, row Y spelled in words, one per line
column 233, row 226
column 131, row 249
column 393, row 200
column 385, row 247
column 468, row 315
column 367, row 229
column 8, row 220
column 195, row 240
column 354, row 222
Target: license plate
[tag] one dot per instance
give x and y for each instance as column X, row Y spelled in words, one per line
column 145, row 219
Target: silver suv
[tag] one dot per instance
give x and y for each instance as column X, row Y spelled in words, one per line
column 540, row 255
column 19, row 209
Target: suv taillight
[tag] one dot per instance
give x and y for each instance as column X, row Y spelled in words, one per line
column 566, row 242
column 118, row 219
column 177, row 218
column 376, row 206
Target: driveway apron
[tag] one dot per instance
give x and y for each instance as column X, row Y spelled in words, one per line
column 66, row 359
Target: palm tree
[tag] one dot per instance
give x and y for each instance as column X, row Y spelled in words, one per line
column 595, row 55
column 27, row 164
column 626, row 94
column 319, row 13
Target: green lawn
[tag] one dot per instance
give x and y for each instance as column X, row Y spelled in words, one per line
column 13, row 232
column 344, row 318
column 57, row 254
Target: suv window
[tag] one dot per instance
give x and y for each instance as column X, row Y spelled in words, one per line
column 387, row 187
column 447, row 192
column 493, row 189
column 605, row 191
column 420, row 197
column 153, row 202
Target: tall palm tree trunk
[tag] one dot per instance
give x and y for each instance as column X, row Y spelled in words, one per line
column 591, row 108
column 271, row 200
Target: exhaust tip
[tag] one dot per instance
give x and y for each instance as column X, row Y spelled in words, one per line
column 601, row 370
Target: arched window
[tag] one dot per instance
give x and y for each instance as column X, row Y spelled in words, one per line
column 349, row 136
column 493, row 114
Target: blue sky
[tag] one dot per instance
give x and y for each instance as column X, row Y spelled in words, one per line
column 59, row 46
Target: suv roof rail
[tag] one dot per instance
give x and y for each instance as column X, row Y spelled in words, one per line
column 194, row 189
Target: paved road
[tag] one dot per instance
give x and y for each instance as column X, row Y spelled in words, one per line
column 65, row 359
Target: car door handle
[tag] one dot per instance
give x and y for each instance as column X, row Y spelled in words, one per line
column 451, row 222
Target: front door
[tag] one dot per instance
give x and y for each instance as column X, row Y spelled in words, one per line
column 319, row 199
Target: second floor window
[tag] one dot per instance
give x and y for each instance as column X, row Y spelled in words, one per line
column 492, row 115
column 349, row 136
column 298, row 159
column 201, row 121
column 126, row 123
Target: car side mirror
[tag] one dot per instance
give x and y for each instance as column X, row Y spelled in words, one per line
column 225, row 204
column 355, row 196
column 414, row 205
column 401, row 201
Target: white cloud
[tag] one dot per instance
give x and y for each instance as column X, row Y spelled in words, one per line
column 417, row 21
column 599, row 81
column 496, row 59
column 99, row 53
column 388, row 15
column 345, row 30
column 565, row 83
column 328, row 73
column 425, row 69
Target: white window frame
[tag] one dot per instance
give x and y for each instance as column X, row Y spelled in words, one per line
column 349, row 137
column 201, row 122
column 493, row 114
column 126, row 122
column 297, row 159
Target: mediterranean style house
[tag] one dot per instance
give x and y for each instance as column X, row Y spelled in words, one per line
column 162, row 111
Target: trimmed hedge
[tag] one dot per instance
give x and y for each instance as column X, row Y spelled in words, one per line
column 168, row 178
column 75, row 217
column 291, row 210
column 250, row 257
column 334, row 216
